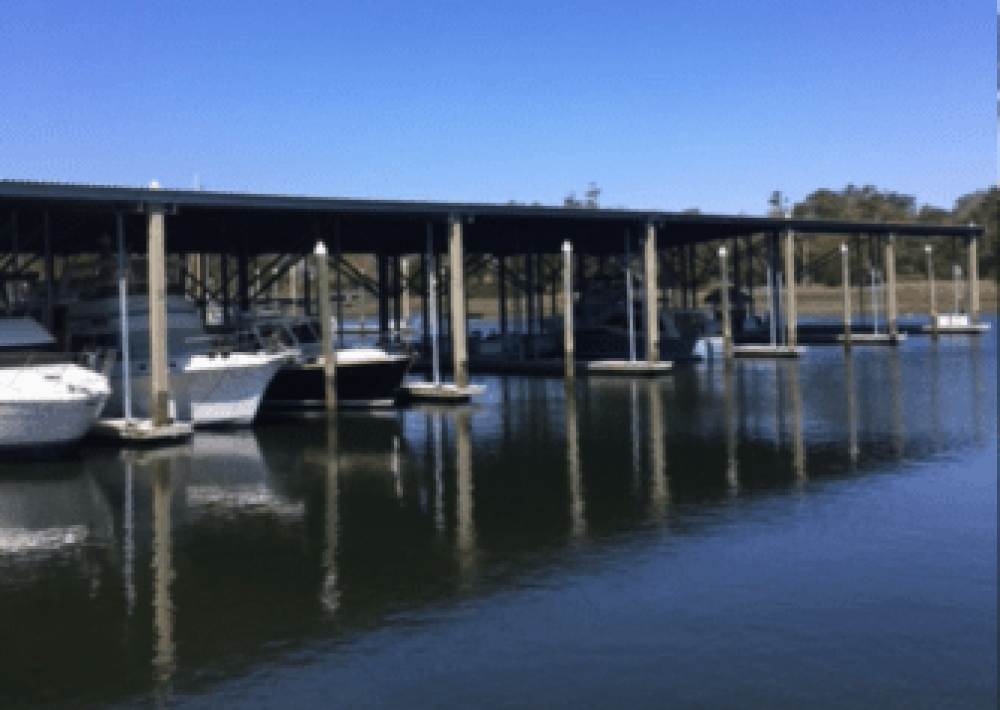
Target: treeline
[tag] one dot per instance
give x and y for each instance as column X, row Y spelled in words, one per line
column 870, row 204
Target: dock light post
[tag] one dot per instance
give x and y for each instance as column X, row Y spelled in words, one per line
column 727, row 334
column 846, row 278
column 567, row 250
column 929, row 250
column 329, row 354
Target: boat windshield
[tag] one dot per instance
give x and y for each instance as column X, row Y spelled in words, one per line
column 304, row 333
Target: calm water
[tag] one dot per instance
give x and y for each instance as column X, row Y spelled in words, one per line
column 813, row 534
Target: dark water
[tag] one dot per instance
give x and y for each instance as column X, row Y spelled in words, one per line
column 812, row 534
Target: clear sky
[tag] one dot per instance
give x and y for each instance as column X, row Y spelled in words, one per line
column 668, row 105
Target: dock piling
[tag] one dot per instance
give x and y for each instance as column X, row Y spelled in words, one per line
column 727, row 331
column 457, row 309
column 890, row 268
column 929, row 250
column 160, row 386
column 329, row 352
column 846, row 280
column 790, row 305
column 568, row 355
column 652, row 305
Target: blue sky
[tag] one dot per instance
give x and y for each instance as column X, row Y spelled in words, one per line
column 664, row 105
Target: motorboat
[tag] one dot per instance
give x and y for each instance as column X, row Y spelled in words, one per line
column 47, row 404
column 367, row 376
column 601, row 330
column 213, row 380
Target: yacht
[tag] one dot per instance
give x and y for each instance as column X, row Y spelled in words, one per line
column 601, row 330
column 366, row 376
column 46, row 403
column 212, row 381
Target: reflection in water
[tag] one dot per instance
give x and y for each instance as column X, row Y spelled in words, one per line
column 636, row 438
column 577, row 512
column 128, row 558
column 330, row 596
column 659, row 488
column 936, row 394
column 438, row 472
column 852, row 407
column 465, row 530
column 164, row 661
column 397, row 476
column 978, row 411
column 798, row 447
column 220, row 514
column 896, row 378
column 732, row 475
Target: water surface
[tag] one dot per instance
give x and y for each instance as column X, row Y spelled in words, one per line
column 818, row 533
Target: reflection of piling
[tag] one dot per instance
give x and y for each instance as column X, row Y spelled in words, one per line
column 438, row 432
column 798, row 446
column 732, row 473
column 466, row 532
column 896, row 378
column 164, row 661
column 330, row 595
column 852, row 408
column 577, row 510
column 659, row 489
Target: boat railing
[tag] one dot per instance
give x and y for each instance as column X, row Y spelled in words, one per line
column 96, row 359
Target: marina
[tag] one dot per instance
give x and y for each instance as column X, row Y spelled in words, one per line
column 604, row 483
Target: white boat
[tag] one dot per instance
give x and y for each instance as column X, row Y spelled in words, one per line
column 211, row 382
column 366, row 376
column 45, row 405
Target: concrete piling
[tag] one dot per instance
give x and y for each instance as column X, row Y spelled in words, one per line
column 652, row 299
column 457, row 310
column 326, row 330
column 846, row 281
column 568, row 355
column 160, row 385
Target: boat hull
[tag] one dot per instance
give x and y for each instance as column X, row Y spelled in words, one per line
column 359, row 384
column 207, row 391
column 47, row 408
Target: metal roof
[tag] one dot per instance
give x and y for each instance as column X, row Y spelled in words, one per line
column 82, row 218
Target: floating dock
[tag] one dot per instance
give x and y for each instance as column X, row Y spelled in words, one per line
column 142, row 431
column 440, row 393
column 875, row 338
column 767, row 352
column 628, row 367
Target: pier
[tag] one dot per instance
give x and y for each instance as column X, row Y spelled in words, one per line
column 236, row 254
